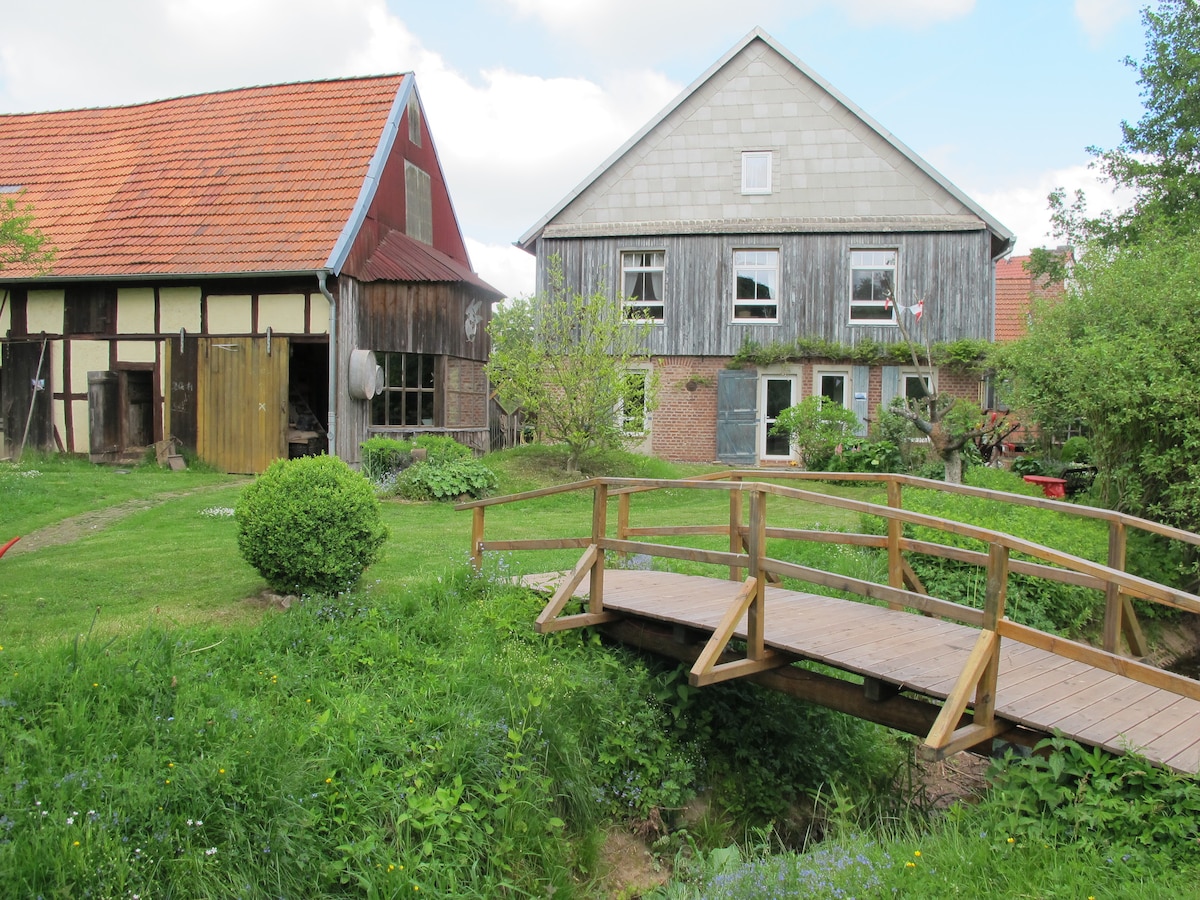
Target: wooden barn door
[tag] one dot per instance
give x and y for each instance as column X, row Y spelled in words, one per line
column 241, row 402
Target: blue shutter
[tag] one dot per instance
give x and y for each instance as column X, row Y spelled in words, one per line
column 860, row 377
column 737, row 416
column 891, row 385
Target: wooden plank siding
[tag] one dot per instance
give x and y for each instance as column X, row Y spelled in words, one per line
column 951, row 271
column 423, row 317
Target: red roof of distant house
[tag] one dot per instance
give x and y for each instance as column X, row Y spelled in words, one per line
column 261, row 179
column 1015, row 288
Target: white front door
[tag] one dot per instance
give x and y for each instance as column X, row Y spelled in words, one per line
column 777, row 393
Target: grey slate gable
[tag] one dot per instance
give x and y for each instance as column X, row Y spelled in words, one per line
column 834, row 169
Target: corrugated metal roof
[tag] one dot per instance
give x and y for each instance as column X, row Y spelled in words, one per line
column 261, row 179
column 402, row 258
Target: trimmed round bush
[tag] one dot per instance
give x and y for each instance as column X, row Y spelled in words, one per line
column 310, row 525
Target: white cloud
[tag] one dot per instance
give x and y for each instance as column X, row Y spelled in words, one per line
column 1099, row 17
column 1023, row 207
column 504, row 267
column 619, row 26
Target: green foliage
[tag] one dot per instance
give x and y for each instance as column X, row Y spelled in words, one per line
column 446, row 477
column 564, row 358
column 1043, row 604
column 310, row 525
column 381, row 455
column 968, row 354
column 21, row 243
column 868, row 456
column 816, row 426
column 442, row 448
column 1119, row 354
column 1077, row 449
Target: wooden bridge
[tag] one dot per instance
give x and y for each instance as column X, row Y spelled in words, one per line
column 960, row 677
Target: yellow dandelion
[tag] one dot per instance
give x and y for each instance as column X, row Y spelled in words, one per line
column 220, row 771
column 391, row 868
column 309, row 700
column 170, row 765
column 168, row 781
column 916, row 853
column 910, row 865
column 1012, row 840
column 76, row 844
column 95, row 684
column 329, row 781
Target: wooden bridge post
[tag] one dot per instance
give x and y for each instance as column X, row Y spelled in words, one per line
column 995, row 596
column 477, row 537
column 623, row 520
column 599, row 526
column 756, row 614
column 895, row 530
column 1119, row 616
column 735, row 525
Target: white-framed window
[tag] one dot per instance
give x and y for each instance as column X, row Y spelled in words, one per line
column 410, row 391
column 631, row 411
column 777, row 393
column 756, row 285
column 756, row 171
column 873, row 286
column 414, row 120
column 835, row 385
column 642, row 279
column 916, row 385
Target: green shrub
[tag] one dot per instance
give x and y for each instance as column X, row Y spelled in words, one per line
column 439, row 448
column 1077, row 449
column 381, row 455
column 310, row 525
column 868, row 456
column 815, row 427
column 446, row 479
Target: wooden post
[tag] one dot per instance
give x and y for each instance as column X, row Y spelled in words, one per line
column 993, row 611
column 623, row 519
column 477, row 537
column 894, row 533
column 1112, row 592
column 599, row 526
column 756, row 614
column 735, row 525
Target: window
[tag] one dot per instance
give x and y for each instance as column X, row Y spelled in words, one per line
column 915, row 386
column 631, row 412
column 756, row 172
column 642, row 277
column 873, row 286
column 409, row 395
column 755, row 284
column 414, row 120
column 833, row 385
column 778, row 393
column 418, row 204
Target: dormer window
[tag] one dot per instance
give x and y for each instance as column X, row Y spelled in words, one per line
column 414, row 120
column 756, row 172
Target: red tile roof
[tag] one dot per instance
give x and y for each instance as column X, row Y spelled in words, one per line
column 255, row 180
column 1015, row 290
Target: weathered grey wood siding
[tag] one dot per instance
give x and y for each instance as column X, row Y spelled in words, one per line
column 951, row 271
column 422, row 318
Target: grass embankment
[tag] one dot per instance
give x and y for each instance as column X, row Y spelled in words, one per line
column 415, row 738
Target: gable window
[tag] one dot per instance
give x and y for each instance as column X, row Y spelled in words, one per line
column 642, row 277
column 756, row 172
column 409, row 395
column 873, row 286
column 756, row 285
column 418, row 203
column 631, row 412
column 414, row 120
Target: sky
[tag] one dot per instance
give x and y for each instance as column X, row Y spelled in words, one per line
column 525, row 98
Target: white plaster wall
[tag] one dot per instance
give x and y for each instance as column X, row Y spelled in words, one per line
column 179, row 307
column 44, row 312
column 86, row 356
column 281, row 313
column 135, row 311
column 229, row 314
column 318, row 315
column 136, row 351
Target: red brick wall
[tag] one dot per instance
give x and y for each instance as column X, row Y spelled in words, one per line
column 466, row 394
column 683, row 426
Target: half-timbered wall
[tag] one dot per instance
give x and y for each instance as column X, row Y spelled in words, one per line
column 950, row 271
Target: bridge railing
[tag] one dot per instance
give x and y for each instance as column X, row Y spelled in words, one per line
column 747, row 531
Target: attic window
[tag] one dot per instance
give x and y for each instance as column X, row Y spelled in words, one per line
column 756, row 172
column 418, row 203
column 414, row 120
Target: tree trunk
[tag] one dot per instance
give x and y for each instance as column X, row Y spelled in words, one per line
column 953, row 460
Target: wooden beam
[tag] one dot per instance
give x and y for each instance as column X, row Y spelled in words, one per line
column 692, row 554
column 724, row 630
column 1132, row 629
column 550, row 544
column 579, row 620
column 966, row 737
column 756, row 614
column 736, row 544
column 599, row 528
column 566, row 590
column 740, row 668
column 477, row 537
column 1113, row 608
column 964, row 687
column 895, row 532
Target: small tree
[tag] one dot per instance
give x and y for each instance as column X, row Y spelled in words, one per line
column 20, row 242
column 816, row 426
column 565, row 359
column 950, row 423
